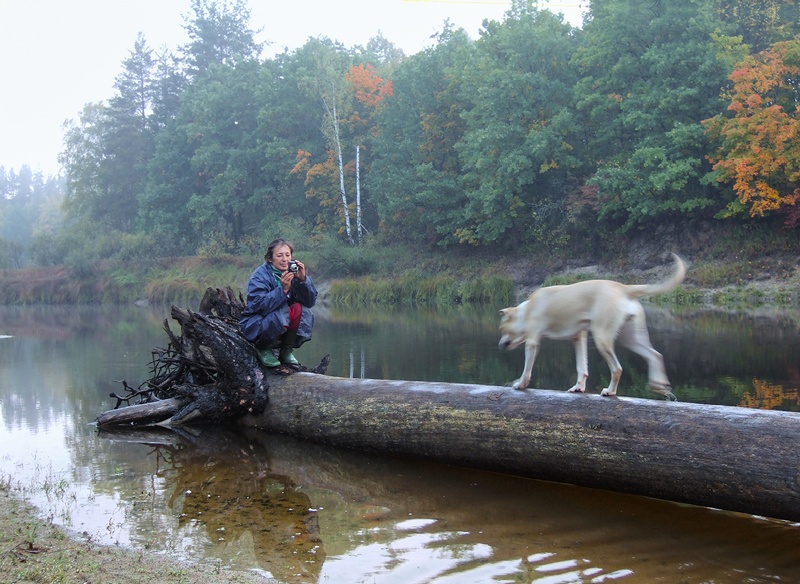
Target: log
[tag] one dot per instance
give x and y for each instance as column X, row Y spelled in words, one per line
column 141, row 414
column 730, row 458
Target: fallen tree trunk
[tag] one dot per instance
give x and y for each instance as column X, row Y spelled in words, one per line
column 718, row 456
column 141, row 414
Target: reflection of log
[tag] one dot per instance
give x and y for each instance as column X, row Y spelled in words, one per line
column 726, row 457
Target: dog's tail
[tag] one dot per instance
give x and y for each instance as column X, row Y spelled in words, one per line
column 663, row 287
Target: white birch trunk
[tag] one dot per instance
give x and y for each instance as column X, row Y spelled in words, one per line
column 359, row 227
column 335, row 118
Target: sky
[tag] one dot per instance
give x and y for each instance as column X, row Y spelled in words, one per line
column 58, row 55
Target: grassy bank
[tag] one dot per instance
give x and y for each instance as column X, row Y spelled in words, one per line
column 34, row 549
column 730, row 270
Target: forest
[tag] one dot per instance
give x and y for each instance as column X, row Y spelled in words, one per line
column 536, row 133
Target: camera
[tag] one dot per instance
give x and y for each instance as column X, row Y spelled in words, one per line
column 293, row 267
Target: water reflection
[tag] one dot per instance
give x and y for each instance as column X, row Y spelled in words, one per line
column 303, row 513
column 221, row 489
column 710, row 356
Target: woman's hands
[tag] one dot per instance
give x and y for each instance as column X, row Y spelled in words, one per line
column 301, row 271
column 287, row 277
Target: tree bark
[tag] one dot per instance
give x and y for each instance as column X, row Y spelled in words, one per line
column 141, row 414
column 730, row 458
column 210, row 372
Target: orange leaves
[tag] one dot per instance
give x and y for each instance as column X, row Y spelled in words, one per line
column 758, row 149
column 368, row 88
column 769, row 396
column 303, row 162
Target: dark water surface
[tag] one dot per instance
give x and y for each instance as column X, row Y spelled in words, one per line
column 299, row 512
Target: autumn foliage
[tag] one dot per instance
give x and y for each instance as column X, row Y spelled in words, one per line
column 758, row 150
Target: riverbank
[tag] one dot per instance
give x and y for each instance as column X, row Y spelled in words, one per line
column 722, row 272
column 33, row 549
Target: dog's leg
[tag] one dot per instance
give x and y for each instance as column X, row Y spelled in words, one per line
column 581, row 362
column 634, row 336
column 605, row 345
column 531, row 349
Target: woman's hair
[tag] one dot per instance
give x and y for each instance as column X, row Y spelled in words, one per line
column 277, row 242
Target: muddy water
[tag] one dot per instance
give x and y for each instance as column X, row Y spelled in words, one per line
column 299, row 512
column 311, row 514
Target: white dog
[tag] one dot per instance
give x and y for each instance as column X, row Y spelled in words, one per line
column 608, row 309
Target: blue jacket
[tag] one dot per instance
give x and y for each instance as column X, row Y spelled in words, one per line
column 266, row 315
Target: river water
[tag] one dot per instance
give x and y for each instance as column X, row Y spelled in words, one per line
column 302, row 513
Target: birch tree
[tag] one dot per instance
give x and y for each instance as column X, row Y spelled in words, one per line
column 331, row 128
column 369, row 91
column 324, row 81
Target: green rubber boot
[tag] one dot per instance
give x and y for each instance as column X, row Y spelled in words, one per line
column 286, row 355
column 267, row 358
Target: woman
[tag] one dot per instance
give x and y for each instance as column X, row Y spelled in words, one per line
column 279, row 298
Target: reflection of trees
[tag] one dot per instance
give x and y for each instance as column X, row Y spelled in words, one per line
column 711, row 356
column 435, row 344
column 770, row 396
column 61, row 361
column 224, row 484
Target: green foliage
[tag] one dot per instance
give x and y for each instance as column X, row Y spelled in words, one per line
column 535, row 134
column 713, row 275
column 651, row 73
column 519, row 142
column 739, row 298
column 414, row 181
column 417, row 288
column 564, row 279
column 745, row 240
column 11, row 253
column 337, row 260
column 761, row 22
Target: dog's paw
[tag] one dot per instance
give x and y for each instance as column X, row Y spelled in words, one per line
column 576, row 389
column 664, row 390
column 520, row 384
column 608, row 393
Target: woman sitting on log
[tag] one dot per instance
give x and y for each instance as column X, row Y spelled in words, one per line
column 280, row 295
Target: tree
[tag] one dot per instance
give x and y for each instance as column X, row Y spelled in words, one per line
column 757, row 147
column 206, row 164
column 107, row 152
column 219, row 33
column 288, row 121
column 24, row 196
column 650, row 72
column 82, row 160
column 761, row 22
column 369, row 91
column 168, row 84
column 324, row 81
column 415, row 178
column 129, row 135
column 519, row 144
